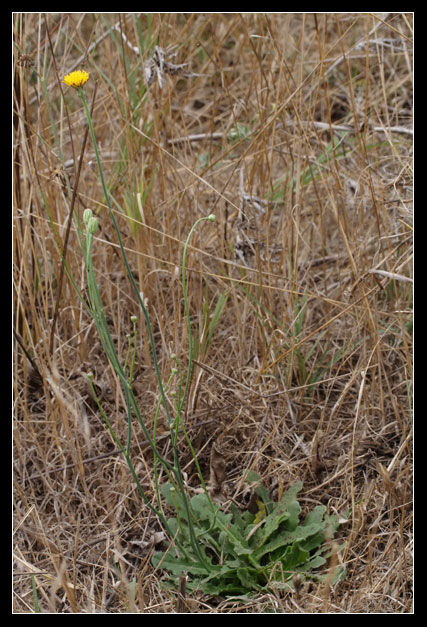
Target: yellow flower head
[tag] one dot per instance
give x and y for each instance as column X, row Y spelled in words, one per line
column 76, row 79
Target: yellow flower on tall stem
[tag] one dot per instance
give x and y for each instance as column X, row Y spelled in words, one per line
column 76, row 79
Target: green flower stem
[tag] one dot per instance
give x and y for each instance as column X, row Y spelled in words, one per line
column 126, row 455
column 110, row 354
column 156, row 415
column 128, row 270
column 135, row 339
column 125, row 365
column 183, row 397
column 211, row 218
column 108, row 345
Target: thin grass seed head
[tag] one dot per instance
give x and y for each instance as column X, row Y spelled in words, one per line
column 76, row 79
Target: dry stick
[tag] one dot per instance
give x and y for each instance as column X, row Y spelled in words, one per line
column 353, row 443
column 67, row 234
column 180, row 603
column 115, row 452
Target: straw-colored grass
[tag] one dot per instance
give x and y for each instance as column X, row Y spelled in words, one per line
column 295, row 130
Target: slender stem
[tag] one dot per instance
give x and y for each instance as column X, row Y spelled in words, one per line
column 102, row 327
column 128, row 270
column 184, row 397
column 175, row 470
column 211, row 218
column 107, row 343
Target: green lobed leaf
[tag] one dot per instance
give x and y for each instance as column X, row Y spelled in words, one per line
column 178, row 565
column 285, row 537
column 242, row 521
column 287, row 509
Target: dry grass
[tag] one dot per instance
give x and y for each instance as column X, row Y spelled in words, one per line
column 309, row 371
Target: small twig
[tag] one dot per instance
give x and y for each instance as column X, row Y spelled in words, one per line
column 181, row 604
column 195, row 138
column 391, row 275
column 375, row 273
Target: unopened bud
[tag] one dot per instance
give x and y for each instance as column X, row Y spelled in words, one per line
column 87, row 214
column 92, row 225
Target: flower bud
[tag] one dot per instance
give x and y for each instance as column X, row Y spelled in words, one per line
column 87, row 214
column 92, row 226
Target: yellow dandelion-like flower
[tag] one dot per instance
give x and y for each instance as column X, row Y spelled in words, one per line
column 76, row 79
